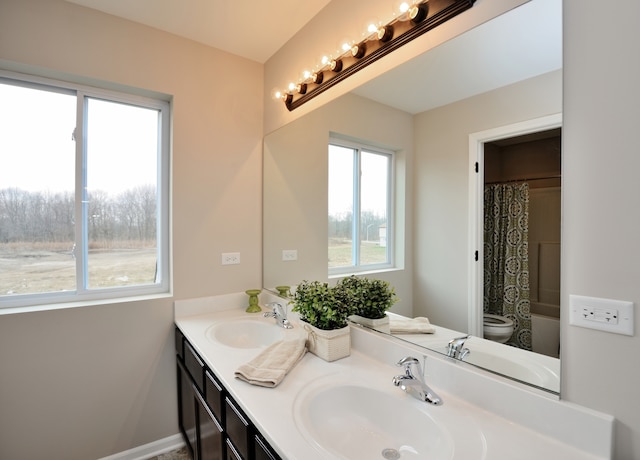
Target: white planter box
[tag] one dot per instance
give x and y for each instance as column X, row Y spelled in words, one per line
column 381, row 324
column 329, row 345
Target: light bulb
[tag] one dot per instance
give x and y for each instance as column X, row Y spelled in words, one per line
column 401, row 6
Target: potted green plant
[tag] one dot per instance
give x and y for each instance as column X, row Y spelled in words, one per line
column 325, row 313
column 370, row 299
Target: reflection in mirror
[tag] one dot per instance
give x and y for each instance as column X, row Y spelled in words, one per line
column 504, row 72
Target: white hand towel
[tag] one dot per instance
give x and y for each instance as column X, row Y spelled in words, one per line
column 273, row 363
column 418, row 325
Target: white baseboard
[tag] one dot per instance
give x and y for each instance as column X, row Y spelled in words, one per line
column 146, row 451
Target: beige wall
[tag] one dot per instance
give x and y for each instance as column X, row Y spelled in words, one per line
column 84, row 383
column 442, row 188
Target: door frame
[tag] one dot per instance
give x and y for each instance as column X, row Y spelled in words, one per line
column 476, row 205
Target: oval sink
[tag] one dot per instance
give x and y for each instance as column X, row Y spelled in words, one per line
column 355, row 422
column 245, row 333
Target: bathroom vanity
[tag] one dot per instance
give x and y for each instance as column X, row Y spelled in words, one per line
column 350, row 409
column 211, row 422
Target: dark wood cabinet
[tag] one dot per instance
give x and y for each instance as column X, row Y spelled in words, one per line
column 210, row 433
column 187, row 409
column 213, row 425
column 263, row 450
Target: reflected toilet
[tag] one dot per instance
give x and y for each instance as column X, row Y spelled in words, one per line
column 497, row 328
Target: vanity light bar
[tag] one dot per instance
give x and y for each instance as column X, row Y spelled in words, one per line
column 421, row 17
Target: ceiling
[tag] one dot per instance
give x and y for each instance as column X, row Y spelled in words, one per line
column 522, row 43
column 254, row 29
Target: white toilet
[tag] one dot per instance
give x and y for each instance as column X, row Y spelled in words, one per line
column 497, row 328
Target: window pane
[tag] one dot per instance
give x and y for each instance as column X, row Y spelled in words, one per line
column 341, row 160
column 122, row 183
column 373, row 204
column 37, row 163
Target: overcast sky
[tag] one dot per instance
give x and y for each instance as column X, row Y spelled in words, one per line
column 37, row 151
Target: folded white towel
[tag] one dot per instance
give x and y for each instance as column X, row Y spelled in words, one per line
column 273, row 363
column 418, row 325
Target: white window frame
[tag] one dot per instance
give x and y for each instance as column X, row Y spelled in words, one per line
column 82, row 295
column 358, row 268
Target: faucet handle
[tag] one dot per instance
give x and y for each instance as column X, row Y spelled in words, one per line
column 407, row 362
column 454, row 348
column 277, row 309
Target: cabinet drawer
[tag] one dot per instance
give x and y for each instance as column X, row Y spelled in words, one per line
column 238, row 428
column 214, row 395
column 194, row 365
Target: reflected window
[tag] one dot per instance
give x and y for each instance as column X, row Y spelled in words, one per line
column 83, row 193
column 360, row 196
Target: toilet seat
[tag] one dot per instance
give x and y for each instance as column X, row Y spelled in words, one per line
column 497, row 328
column 497, row 321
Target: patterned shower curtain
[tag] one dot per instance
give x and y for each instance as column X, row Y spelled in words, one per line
column 506, row 257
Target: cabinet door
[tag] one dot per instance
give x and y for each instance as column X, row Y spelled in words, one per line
column 210, row 437
column 264, row 450
column 187, row 409
column 232, row 454
column 238, row 429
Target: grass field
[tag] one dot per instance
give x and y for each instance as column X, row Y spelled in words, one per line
column 370, row 253
column 29, row 268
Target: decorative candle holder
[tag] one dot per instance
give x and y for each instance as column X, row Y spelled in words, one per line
column 253, row 301
column 284, row 291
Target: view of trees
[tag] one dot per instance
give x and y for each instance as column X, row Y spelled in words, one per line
column 49, row 217
column 340, row 225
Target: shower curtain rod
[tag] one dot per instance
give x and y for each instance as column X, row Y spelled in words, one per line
column 510, row 181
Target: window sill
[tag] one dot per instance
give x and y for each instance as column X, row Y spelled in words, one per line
column 86, row 303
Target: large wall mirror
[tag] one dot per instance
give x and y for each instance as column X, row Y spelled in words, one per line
column 499, row 85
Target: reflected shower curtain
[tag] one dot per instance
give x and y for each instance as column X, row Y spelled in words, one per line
column 506, row 257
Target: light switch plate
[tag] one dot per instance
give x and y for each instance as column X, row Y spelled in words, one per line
column 289, row 254
column 607, row 315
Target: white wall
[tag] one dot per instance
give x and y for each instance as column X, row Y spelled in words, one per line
column 442, row 252
column 601, row 216
column 84, row 383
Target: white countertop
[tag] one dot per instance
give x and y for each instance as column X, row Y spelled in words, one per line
column 515, row 422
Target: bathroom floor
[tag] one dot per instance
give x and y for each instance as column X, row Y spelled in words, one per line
column 180, row 454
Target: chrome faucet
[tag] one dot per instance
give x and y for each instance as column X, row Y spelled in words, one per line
column 279, row 314
column 456, row 349
column 415, row 385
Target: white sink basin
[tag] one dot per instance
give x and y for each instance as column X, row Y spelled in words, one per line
column 352, row 421
column 245, row 333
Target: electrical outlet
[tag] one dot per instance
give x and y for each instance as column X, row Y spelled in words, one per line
column 230, row 258
column 602, row 314
column 289, row 254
